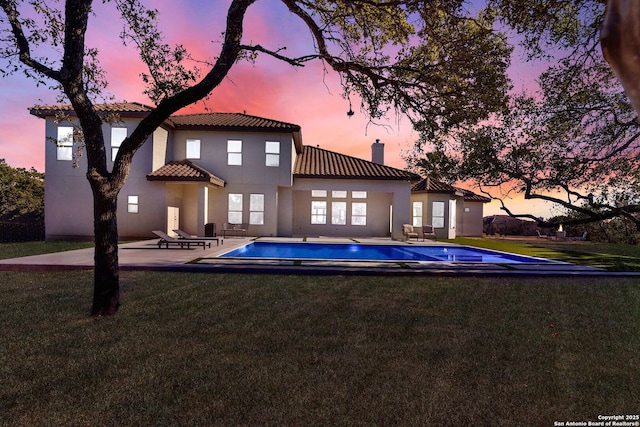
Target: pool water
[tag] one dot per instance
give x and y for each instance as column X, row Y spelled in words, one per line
column 340, row 251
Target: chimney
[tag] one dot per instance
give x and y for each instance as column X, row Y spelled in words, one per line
column 377, row 152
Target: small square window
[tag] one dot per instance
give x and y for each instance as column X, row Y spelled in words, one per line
column 193, row 149
column 234, row 152
column 132, row 204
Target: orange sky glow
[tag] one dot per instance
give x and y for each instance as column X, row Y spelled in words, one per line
column 305, row 96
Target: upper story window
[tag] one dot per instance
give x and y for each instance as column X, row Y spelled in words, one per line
column 234, row 152
column 64, row 143
column 117, row 136
column 193, row 149
column 272, row 153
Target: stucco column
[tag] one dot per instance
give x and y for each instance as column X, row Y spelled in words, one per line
column 203, row 207
column 401, row 213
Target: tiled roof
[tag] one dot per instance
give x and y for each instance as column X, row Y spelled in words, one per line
column 315, row 162
column 116, row 107
column 184, row 170
column 429, row 185
column 232, row 121
column 470, row 196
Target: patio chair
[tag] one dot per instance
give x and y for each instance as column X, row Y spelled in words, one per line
column 409, row 232
column 167, row 240
column 234, row 229
column 428, row 231
column 184, row 235
column 541, row 236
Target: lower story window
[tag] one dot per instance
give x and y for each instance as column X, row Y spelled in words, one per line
column 318, row 212
column 437, row 216
column 235, row 209
column 417, row 214
column 358, row 213
column 256, row 209
column 339, row 213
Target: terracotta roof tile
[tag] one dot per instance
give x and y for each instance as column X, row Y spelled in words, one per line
column 429, row 185
column 116, row 107
column 184, row 170
column 315, row 162
column 231, row 121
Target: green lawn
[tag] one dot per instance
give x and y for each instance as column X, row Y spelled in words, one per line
column 611, row 257
column 221, row 349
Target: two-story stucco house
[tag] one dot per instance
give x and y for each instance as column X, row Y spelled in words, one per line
column 218, row 168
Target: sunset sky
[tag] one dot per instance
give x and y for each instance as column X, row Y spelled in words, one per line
column 269, row 88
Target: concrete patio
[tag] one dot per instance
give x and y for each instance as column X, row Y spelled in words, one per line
column 146, row 255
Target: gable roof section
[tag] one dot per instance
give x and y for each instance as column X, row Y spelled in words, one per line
column 429, row 185
column 130, row 109
column 184, row 171
column 316, row 162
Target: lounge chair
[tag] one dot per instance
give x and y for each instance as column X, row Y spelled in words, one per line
column 428, row 231
column 584, row 236
column 234, row 229
column 167, row 240
column 409, row 232
column 541, row 236
column 185, row 235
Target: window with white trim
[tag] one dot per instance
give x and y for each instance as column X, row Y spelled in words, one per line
column 117, row 136
column 416, row 212
column 234, row 215
column 234, row 152
column 437, row 215
column 133, row 204
column 318, row 212
column 318, row 193
column 358, row 194
column 64, row 143
column 339, row 213
column 256, row 209
column 358, row 213
column 193, row 149
column 339, row 194
column 272, row 153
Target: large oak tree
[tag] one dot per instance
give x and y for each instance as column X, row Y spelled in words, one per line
column 574, row 142
column 430, row 60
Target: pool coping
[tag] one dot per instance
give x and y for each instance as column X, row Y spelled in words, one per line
column 146, row 256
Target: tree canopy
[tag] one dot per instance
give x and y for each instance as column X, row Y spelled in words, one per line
column 574, row 142
column 21, row 192
column 433, row 61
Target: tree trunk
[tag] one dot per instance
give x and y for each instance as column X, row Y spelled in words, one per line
column 106, row 290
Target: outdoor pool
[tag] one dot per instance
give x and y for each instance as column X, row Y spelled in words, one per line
column 355, row 251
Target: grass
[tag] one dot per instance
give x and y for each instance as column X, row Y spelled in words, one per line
column 611, row 257
column 16, row 250
column 218, row 349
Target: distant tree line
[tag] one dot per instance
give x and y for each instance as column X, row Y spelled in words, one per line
column 21, row 204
